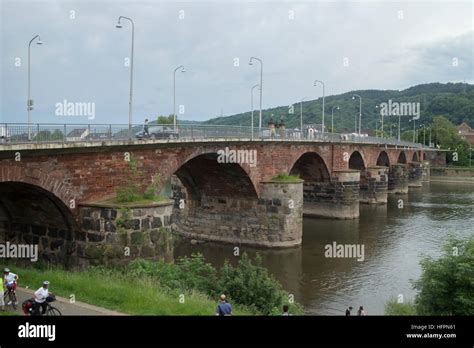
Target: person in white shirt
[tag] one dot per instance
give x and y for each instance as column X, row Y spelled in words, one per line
column 9, row 281
column 40, row 299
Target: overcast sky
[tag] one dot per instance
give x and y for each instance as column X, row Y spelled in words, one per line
column 387, row 45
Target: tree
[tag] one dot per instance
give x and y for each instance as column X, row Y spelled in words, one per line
column 446, row 135
column 407, row 135
column 446, row 285
column 47, row 135
column 166, row 119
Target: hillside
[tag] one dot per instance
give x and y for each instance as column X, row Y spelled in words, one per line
column 452, row 100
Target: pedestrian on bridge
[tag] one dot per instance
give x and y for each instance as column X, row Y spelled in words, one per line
column 145, row 128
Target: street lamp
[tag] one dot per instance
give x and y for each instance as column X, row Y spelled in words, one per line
column 332, row 117
column 174, row 93
column 391, row 126
column 414, row 130
column 261, row 88
column 29, row 102
column 324, row 97
column 251, row 104
column 301, row 114
column 360, row 109
column 381, row 114
column 119, row 26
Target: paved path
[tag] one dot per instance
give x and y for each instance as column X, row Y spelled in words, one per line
column 63, row 304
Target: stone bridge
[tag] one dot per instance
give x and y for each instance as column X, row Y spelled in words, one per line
column 52, row 192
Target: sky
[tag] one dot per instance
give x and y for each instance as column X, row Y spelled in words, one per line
column 347, row 44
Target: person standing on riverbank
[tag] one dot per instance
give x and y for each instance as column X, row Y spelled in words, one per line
column 285, row 311
column 348, row 311
column 361, row 311
column 224, row 308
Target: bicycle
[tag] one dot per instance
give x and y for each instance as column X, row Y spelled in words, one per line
column 9, row 296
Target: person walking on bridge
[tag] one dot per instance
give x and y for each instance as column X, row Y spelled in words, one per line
column 145, row 128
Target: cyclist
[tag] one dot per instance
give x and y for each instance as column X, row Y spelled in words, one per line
column 9, row 281
column 40, row 299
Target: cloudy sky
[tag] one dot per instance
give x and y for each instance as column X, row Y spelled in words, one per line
column 349, row 45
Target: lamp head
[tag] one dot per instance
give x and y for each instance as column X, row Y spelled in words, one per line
column 338, row 108
column 119, row 25
column 250, row 61
column 39, row 42
column 183, row 69
column 353, row 97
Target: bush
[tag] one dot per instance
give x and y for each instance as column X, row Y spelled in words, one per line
column 246, row 284
column 251, row 285
column 446, row 285
column 126, row 194
column 392, row 307
column 286, row 178
column 189, row 273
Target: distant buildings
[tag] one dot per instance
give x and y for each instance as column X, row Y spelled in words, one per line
column 466, row 132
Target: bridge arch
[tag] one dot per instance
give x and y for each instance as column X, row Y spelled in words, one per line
column 203, row 175
column 402, row 158
column 383, row 159
column 415, row 157
column 356, row 161
column 310, row 166
column 30, row 214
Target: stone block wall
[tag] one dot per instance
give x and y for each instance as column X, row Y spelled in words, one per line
column 398, row 179
column 111, row 234
column 374, row 190
column 274, row 220
column 338, row 199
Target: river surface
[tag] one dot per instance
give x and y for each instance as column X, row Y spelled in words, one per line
column 394, row 240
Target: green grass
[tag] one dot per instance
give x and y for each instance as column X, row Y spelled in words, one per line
column 115, row 291
column 141, row 201
column 392, row 307
column 454, row 167
column 283, row 177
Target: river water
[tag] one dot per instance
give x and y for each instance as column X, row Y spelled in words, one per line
column 394, row 239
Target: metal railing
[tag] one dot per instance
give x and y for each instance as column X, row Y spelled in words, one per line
column 19, row 133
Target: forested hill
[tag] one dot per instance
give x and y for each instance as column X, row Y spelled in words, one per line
column 452, row 100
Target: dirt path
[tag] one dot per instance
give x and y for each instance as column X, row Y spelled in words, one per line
column 63, row 304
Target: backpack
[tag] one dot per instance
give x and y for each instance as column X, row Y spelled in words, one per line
column 27, row 306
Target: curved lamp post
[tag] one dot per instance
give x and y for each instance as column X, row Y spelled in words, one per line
column 301, row 114
column 29, row 102
column 324, row 97
column 261, row 88
column 119, row 25
column 251, row 104
column 332, row 117
column 360, row 109
column 174, row 94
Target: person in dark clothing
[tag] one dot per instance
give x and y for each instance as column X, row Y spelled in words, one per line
column 145, row 128
column 348, row 311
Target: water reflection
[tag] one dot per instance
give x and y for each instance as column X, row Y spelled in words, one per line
column 394, row 237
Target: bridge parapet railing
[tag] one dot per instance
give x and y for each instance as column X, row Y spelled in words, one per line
column 18, row 133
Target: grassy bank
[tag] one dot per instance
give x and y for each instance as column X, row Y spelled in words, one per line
column 114, row 290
